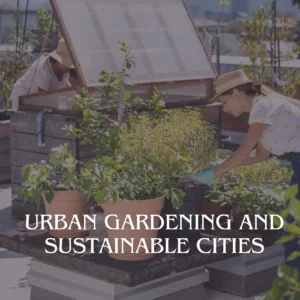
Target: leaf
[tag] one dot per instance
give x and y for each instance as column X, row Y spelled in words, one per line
column 292, row 228
column 293, row 256
column 284, row 271
column 291, row 192
column 295, row 207
column 100, row 196
column 285, row 239
column 127, row 96
column 48, row 195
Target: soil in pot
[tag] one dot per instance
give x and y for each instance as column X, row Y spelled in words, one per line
column 69, row 204
column 133, row 208
column 192, row 205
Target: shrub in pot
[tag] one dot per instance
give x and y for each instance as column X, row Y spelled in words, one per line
column 130, row 187
column 58, row 185
column 179, row 133
column 250, row 200
column 213, row 203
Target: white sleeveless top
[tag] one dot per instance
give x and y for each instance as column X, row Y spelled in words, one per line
column 39, row 75
column 282, row 134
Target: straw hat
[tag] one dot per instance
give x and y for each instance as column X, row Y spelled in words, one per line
column 230, row 81
column 61, row 54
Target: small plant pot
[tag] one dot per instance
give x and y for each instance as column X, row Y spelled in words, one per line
column 69, row 204
column 239, row 217
column 214, row 208
column 192, row 205
column 132, row 208
column 210, row 207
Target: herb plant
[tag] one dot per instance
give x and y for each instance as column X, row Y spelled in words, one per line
column 60, row 174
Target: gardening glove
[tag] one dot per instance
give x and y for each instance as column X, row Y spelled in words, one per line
column 203, row 177
column 216, row 163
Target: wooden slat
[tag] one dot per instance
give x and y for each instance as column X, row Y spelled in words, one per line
column 16, row 174
column 4, row 160
column 29, row 142
column 20, row 158
column 4, row 175
column 4, row 130
column 26, row 122
column 4, row 146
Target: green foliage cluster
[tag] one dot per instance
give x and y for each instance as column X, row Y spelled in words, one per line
column 243, row 198
column 60, row 174
column 257, row 41
column 287, row 283
column 179, row 132
column 140, row 154
column 44, row 19
column 14, row 62
column 266, row 173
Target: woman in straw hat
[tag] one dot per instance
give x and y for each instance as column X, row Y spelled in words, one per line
column 274, row 128
column 50, row 71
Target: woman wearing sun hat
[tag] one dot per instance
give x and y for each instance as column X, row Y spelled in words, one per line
column 48, row 72
column 274, row 127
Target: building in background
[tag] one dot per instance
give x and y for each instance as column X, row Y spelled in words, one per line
column 240, row 6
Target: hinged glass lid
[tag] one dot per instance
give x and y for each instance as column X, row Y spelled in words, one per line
column 162, row 36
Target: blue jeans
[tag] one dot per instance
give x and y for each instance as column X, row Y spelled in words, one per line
column 291, row 246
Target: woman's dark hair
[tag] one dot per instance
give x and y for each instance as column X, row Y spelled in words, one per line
column 248, row 88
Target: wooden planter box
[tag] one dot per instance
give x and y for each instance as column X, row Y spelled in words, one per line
column 25, row 149
column 4, row 152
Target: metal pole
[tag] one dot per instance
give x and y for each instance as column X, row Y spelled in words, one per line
column 25, row 24
column 17, row 26
column 275, row 34
column 218, row 51
column 278, row 48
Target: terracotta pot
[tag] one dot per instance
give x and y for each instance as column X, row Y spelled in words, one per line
column 68, row 203
column 133, row 208
column 214, row 208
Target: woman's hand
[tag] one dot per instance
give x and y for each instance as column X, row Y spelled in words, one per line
column 241, row 155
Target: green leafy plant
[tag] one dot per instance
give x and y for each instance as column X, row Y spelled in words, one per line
column 287, row 285
column 60, row 174
column 44, row 19
column 271, row 172
column 218, row 192
column 172, row 141
column 14, row 62
column 118, row 179
column 179, row 132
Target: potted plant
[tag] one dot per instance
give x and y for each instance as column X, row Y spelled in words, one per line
column 59, row 186
column 213, row 203
column 124, row 188
column 249, row 200
column 179, row 133
column 43, row 24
